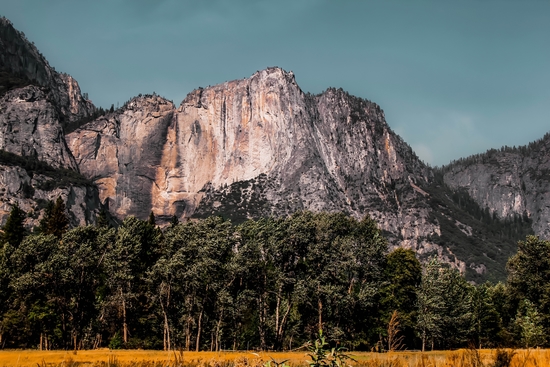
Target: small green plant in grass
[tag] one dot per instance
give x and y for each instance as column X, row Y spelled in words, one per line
column 274, row 363
column 323, row 356
column 116, row 341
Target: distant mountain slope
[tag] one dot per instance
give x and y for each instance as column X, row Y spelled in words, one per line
column 510, row 182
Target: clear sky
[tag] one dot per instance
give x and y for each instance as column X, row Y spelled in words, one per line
column 454, row 77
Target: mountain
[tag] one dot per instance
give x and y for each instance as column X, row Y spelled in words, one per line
column 512, row 183
column 36, row 103
column 262, row 147
column 247, row 148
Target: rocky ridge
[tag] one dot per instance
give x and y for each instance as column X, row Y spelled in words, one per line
column 261, row 147
column 510, row 182
column 36, row 102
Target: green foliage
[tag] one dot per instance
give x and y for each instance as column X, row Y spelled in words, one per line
column 529, row 322
column 265, row 284
column 174, row 221
column 402, row 275
column 486, row 320
column 116, row 341
column 55, row 220
column 473, row 234
column 151, row 219
column 102, row 219
column 529, row 275
column 14, row 230
column 323, row 356
column 444, row 308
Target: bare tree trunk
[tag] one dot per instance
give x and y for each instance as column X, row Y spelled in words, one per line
column 261, row 324
column 218, row 328
column 188, row 334
column 124, row 325
column 281, row 329
column 199, row 331
column 167, row 345
column 277, row 309
column 320, row 310
column 41, row 340
column 166, row 332
column 423, row 341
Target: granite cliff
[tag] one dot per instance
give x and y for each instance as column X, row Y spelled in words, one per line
column 262, row 147
column 36, row 103
column 511, row 183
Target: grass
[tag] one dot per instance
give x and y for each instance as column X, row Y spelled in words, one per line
column 148, row 358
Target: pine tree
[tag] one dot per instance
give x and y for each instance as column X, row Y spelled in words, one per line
column 43, row 226
column 60, row 222
column 102, row 220
column 55, row 220
column 174, row 222
column 151, row 219
column 14, row 230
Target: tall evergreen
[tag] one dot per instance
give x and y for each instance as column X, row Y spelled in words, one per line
column 14, row 230
column 43, row 225
column 102, row 220
column 151, row 219
column 55, row 220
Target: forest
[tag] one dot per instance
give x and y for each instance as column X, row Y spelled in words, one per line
column 266, row 284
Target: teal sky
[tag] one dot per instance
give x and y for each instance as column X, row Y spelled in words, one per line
column 454, row 78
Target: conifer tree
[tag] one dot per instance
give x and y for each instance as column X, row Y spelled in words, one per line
column 43, row 225
column 60, row 222
column 102, row 220
column 55, row 219
column 151, row 219
column 14, row 231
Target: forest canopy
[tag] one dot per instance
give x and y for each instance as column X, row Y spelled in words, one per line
column 268, row 284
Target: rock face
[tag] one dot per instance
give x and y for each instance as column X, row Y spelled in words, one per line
column 16, row 185
column 261, row 147
column 510, row 182
column 29, row 126
column 21, row 61
column 122, row 153
column 36, row 103
column 257, row 147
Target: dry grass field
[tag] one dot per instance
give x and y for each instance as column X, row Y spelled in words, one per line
column 147, row 358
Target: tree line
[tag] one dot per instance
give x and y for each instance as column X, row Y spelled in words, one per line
column 268, row 284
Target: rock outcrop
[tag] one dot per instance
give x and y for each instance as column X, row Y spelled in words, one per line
column 22, row 64
column 29, row 126
column 32, row 193
column 261, row 147
column 510, row 182
column 122, row 152
column 36, row 102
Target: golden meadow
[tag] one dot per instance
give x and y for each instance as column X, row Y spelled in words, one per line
column 148, row 358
